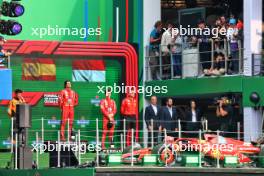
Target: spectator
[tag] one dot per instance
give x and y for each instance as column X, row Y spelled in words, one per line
column 166, row 41
column 154, row 112
column 218, row 66
column 193, row 117
column 219, row 41
column 169, row 118
column 224, row 111
column 223, row 21
column 3, row 54
column 176, row 49
column 232, row 38
column 204, row 46
column 154, row 42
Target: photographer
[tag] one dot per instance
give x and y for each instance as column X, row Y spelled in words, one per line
column 224, row 111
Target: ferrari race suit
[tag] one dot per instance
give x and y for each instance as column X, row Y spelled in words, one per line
column 129, row 111
column 108, row 107
column 67, row 100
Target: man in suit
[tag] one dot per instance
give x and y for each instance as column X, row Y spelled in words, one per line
column 193, row 118
column 153, row 111
column 170, row 118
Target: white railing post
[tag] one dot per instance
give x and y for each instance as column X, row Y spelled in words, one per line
column 97, row 142
column 37, row 152
column 218, row 162
column 16, row 151
column 68, row 130
column 200, row 152
column 206, row 125
column 42, row 129
column 152, row 134
column 79, row 145
column 124, row 131
column 165, row 140
column 59, row 148
column 238, row 131
column 121, row 141
column 12, row 135
column 179, row 128
column 132, row 147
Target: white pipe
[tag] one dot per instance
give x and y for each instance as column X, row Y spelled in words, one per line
column 218, row 162
column 42, row 129
column 37, row 152
column 179, row 127
column 69, row 130
column 200, row 152
column 12, row 135
column 152, row 134
column 124, row 131
column 97, row 142
column 79, row 145
column 16, row 152
column 59, row 147
column 117, row 24
column 132, row 147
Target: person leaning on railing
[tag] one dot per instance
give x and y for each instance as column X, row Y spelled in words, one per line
column 218, row 67
column 154, row 42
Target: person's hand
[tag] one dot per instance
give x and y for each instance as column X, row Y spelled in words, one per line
column 220, row 103
column 111, row 119
column 160, row 128
column 176, row 129
column 149, row 127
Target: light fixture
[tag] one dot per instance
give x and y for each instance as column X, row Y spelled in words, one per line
column 12, row 9
column 10, row 27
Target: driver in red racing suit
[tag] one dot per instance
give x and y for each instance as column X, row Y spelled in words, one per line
column 129, row 111
column 68, row 99
column 108, row 109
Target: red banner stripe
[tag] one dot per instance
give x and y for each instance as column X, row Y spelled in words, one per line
column 88, row 65
column 40, row 78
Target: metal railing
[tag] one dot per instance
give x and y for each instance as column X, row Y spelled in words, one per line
column 86, row 136
column 257, row 65
column 193, row 60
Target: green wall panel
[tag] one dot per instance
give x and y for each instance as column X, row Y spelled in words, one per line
column 204, row 86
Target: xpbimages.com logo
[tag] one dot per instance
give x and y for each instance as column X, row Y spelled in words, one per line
column 68, row 146
column 56, row 30
column 148, row 90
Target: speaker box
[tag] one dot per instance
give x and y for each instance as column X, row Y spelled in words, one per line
column 24, row 158
column 23, row 116
column 67, row 158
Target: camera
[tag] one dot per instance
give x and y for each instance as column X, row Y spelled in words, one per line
column 225, row 100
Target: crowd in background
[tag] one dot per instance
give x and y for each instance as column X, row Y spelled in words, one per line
column 166, row 42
